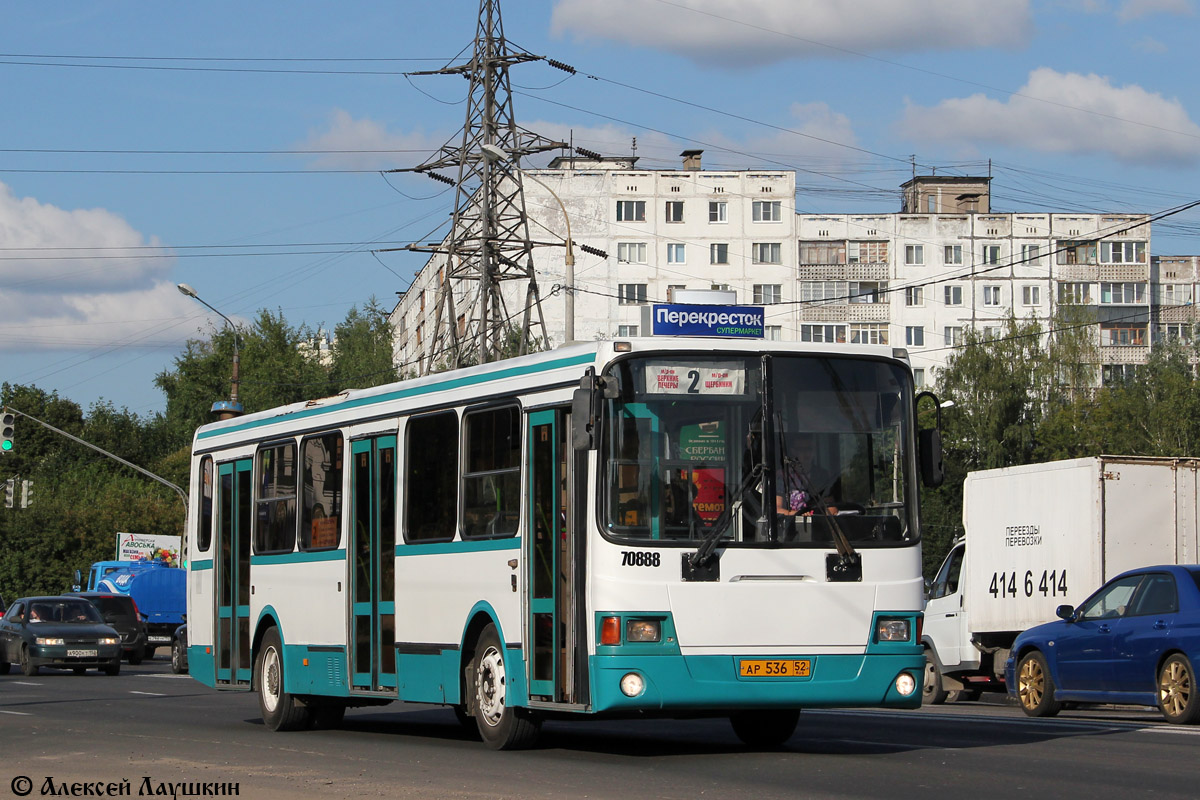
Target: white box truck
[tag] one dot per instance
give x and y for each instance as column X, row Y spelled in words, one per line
column 1042, row 535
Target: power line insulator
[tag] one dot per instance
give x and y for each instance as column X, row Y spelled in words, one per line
column 441, row 178
column 560, row 65
column 595, row 251
column 583, row 151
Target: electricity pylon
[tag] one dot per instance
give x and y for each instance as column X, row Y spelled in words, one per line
column 489, row 241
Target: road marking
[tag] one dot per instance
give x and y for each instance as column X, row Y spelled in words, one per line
column 150, row 694
column 25, row 683
column 1178, row 731
column 164, row 675
column 16, row 713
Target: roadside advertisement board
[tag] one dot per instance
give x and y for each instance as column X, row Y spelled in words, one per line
column 149, row 547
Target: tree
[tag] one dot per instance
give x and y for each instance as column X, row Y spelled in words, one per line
column 362, row 349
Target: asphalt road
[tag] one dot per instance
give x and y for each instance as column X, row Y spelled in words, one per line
column 150, row 728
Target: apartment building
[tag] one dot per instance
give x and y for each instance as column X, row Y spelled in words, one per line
column 918, row 278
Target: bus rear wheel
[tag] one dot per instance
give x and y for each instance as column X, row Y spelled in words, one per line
column 765, row 728
column 280, row 710
column 501, row 726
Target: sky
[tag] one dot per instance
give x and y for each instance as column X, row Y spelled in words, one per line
column 243, row 148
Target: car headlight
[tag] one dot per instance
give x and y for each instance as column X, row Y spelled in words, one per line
column 643, row 630
column 891, row 629
column 43, row 641
column 109, row 640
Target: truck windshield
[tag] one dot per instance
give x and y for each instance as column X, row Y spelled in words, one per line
column 690, row 446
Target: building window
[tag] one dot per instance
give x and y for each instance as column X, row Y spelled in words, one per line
column 1123, row 252
column 718, row 253
column 1031, row 254
column 914, row 336
column 1175, row 294
column 1077, row 293
column 867, row 252
column 1031, row 295
column 627, row 331
column 631, row 252
column 824, row 291
column 991, row 333
column 991, row 254
column 773, row 333
column 822, row 252
column 1118, row 374
column 823, row 334
column 675, row 254
column 631, row 293
column 868, row 291
column 953, row 334
column 674, row 211
column 1072, row 252
column 767, row 211
column 1122, row 293
column 767, row 253
column 717, row 211
column 919, row 378
column 672, row 289
column 914, row 254
column 953, row 295
column 869, row 333
column 1122, row 336
column 767, row 293
column 631, row 211
column 914, row 296
column 991, row 295
column 1175, row 332
column 953, row 254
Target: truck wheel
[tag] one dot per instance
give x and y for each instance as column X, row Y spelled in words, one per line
column 28, row 668
column 765, row 728
column 136, row 655
column 1178, row 698
column 501, row 726
column 280, row 710
column 1035, row 687
column 932, row 693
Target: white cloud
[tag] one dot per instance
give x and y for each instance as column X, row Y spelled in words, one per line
column 92, row 297
column 367, row 145
column 753, row 32
column 1065, row 113
column 1148, row 44
column 1135, row 9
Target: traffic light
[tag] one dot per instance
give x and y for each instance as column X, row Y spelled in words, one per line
column 10, row 489
column 8, row 422
column 26, row 493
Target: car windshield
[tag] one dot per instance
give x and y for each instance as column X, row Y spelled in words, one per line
column 64, row 611
column 113, row 606
column 690, row 447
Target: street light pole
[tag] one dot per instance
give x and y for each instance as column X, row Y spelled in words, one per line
column 496, row 155
column 230, row 408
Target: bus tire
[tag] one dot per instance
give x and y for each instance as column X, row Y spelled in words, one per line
column 501, row 726
column 280, row 710
column 765, row 728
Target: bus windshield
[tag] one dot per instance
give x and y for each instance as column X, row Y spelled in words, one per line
column 692, row 445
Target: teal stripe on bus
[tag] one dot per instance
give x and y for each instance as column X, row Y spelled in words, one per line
column 416, row 391
column 469, row 546
column 199, row 566
column 299, row 558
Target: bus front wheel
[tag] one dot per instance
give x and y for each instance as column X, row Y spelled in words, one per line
column 280, row 710
column 501, row 726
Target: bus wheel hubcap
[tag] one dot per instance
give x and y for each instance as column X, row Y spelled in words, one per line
column 490, row 680
column 270, row 679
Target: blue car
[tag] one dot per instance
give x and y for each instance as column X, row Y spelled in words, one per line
column 1136, row 640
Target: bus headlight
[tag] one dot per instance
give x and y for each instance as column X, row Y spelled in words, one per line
column 905, row 684
column 643, row 630
column 632, row 684
column 891, row 629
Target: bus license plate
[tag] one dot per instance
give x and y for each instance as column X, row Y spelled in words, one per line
column 81, row 654
column 775, row 668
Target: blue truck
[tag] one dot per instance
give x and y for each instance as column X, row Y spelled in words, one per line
column 160, row 592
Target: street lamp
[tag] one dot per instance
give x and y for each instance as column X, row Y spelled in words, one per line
column 230, row 408
column 495, row 155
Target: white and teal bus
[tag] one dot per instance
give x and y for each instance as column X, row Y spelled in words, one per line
column 675, row 527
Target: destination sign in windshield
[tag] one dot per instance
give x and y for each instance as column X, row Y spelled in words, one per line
column 696, row 378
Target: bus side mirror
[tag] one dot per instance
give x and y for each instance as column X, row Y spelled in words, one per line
column 929, row 444
column 582, row 422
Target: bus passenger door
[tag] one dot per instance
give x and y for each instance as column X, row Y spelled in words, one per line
column 235, row 508
column 555, row 625
column 372, row 557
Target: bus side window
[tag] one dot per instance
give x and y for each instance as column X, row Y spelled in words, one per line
column 431, row 478
column 321, row 501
